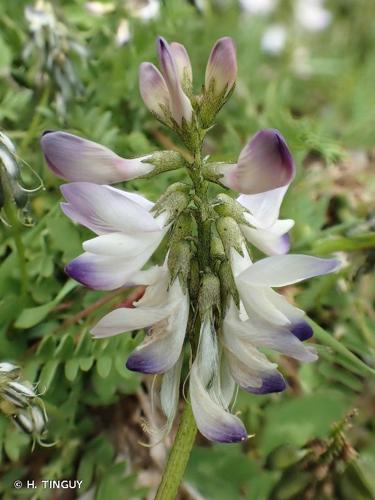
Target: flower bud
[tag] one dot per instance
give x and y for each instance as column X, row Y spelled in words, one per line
column 228, row 207
column 179, row 261
column 32, row 421
column 173, row 201
column 221, row 74
column 209, row 294
column 230, row 235
column 154, row 91
column 183, row 66
column 180, row 105
column 164, row 161
column 221, row 70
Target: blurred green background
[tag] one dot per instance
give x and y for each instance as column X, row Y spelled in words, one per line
column 306, row 68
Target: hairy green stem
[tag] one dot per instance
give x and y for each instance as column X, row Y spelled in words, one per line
column 182, row 446
column 10, row 210
column 178, row 457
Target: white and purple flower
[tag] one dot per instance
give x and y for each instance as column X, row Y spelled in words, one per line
column 76, row 159
column 264, row 164
column 164, row 310
column 127, row 232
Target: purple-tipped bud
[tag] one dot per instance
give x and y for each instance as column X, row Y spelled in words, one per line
column 221, row 70
column 264, row 164
column 75, row 159
column 153, row 89
column 180, row 105
column 183, row 65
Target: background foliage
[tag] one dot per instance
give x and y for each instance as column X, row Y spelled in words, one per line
column 319, row 92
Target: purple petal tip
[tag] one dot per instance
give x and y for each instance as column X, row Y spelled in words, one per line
column 302, row 331
column 270, row 384
column 140, row 363
column 78, row 271
column 231, row 435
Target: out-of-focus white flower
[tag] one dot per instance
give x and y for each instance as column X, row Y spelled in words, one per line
column 143, row 9
column 123, row 34
column 100, row 8
column 39, row 15
column 258, row 7
column 274, row 39
column 312, row 15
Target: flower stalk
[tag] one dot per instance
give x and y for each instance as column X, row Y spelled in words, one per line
column 178, row 456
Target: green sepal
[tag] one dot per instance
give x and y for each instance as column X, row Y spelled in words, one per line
column 225, row 206
column 209, row 294
column 173, row 201
column 230, row 235
column 179, row 257
column 164, row 161
column 228, row 285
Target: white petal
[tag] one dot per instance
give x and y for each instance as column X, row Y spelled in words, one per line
column 104, row 209
column 264, row 207
column 126, row 319
column 153, row 89
column 256, row 301
column 169, row 398
column 123, row 245
column 262, row 333
column 212, row 418
column 77, row 159
column 162, row 347
column 106, row 272
column 269, row 240
column 182, row 62
column 256, row 382
column 155, row 305
column 282, row 270
column 179, row 102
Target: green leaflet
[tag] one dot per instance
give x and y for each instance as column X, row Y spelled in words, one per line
column 34, row 315
column 326, row 338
